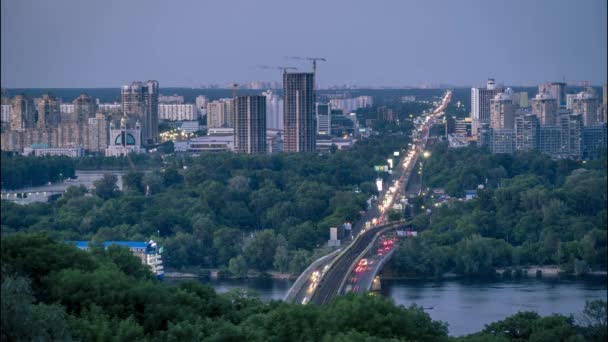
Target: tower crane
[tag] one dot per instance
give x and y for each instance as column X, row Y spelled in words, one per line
column 283, row 68
column 313, row 59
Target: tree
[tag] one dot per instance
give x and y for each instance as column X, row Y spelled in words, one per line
column 132, row 181
column 106, row 187
column 259, row 252
column 281, row 259
column 594, row 320
column 166, row 147
column 238, row 266
column 299, row 261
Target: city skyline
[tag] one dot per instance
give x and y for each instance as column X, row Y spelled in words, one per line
column 392, row 45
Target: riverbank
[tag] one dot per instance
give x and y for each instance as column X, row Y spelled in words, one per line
column 532, row 271
column 222, row 274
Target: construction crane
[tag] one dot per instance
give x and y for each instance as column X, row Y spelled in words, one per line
column 313, row 59
column 283, row 68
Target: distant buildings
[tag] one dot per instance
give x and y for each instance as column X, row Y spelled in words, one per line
column 177, row 112
column 351, row 104
column 125, row 139
column 250, row 124
column 586, row 103
column 171, row 99
column 555, row 90
column 559, row 124
column 545, row 108
column 52, row 129
column 83, row 108
column 480, row 104
column 323, row 118
column 502, row 111
column 274, row 110
column 23, row 113
column 299, row 112
column 140, row 103
column 39, row 151
column 220, row 113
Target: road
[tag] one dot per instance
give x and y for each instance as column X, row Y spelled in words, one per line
column 326, row 277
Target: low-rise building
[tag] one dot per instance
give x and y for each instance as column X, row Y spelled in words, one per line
column 38, row 151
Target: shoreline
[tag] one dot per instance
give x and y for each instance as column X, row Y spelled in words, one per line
column 547, row 272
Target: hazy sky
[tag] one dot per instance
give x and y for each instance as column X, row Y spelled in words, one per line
column 78, row 43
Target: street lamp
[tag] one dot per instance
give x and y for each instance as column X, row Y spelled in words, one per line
column 426, row 154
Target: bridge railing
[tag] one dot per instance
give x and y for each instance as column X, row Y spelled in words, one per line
column 293, row 291
column 362, row 254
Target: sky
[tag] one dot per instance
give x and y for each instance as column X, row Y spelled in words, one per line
column 181, row 43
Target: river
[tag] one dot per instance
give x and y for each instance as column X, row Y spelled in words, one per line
column 464, row 304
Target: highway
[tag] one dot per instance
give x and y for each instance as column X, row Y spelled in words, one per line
column 327, row 277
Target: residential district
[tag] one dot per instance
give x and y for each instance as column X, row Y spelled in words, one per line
column 561, row 124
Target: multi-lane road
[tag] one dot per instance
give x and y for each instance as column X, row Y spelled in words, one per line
column 333, row 274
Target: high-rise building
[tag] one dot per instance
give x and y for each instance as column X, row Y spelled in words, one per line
column 174, row 99
column 201, row 104
column 556, row 90
column 220, row 113
column 480, row 104
column 98, row 133
column 84, row 108
column 49, row 113
column 250, row 124
column 545, row 108
column 549, row 140
column 23, row 113
column 274, row 110
column 323, row 119
column 386, row 114
column 527, row 132
column 594, row 141
column 177, row 111
column 7, row 112
column 572, row 135
column 140, row 103
column 502, row 140
column 299, row 112
column 586, row 103
column 520, row 99
column 502, row 111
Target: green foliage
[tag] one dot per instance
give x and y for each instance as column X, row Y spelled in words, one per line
column 109, row 300
column 19, row 171
column 532, row 211
column 107, row 187
column 204, row 209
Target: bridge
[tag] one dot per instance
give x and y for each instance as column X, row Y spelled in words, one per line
column 354, row 267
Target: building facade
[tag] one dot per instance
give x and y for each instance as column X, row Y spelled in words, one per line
column 502, row 111
column 125, row 140
column 299, row 112
column 84, row 109
column 527, row 131
column 274, row 110
column 545, row 108
column 250, row 124
column 323, row 119
column 140, row 103
column 586, row 104
column 220, row 113
column 49, row 113
column 177, row 112
column 480, row 104
column 556, row 90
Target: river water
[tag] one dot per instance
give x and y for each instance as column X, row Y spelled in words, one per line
column 464, row 304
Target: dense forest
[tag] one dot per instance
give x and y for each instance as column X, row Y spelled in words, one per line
column 531, row 211
column 265, row 212
column 53, row 291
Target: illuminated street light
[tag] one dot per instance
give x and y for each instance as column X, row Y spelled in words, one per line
column 426, row 154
